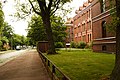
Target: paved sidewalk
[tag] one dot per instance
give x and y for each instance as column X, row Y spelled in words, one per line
column 25, row 67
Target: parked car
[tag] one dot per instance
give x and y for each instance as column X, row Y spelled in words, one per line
column 18, row 47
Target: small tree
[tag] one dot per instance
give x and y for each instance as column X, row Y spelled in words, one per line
column 5, row 41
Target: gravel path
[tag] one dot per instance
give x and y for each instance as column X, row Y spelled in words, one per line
column 25, row 67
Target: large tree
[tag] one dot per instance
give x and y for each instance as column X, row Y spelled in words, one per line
column 45, row 9
column 116, row 71
column 36, row 31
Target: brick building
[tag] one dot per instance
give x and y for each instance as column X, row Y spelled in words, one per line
column 89, row 24
column 69, row 30
column 82, row 23
column 103, row 40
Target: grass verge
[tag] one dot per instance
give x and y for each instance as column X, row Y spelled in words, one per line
column 84, row 64
column 3, row 52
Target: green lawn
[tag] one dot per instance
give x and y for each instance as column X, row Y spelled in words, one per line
column 84, row 64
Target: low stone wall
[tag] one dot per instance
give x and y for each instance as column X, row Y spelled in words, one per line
column 104, row 45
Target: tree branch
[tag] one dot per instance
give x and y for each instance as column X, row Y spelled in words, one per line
column 54, row 10
column 50, row 5
column 56, row 6
column 34, row 8
column 42, row 6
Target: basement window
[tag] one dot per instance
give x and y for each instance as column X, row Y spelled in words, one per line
column 104, row 48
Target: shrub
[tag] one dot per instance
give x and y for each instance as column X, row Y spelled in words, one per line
column 4, row 39
column 4, row 49
column 89, row 45
column 82, row 45
column 59, row 45
column 1, row 44
column 72, row 44
column 77, row 45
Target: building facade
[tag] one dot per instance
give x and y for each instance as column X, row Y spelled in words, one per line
column 82, row 23
column 89, row 25
column 69, row 31
column 103, row 39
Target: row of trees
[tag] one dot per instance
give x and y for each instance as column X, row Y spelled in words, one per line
column 8, row 39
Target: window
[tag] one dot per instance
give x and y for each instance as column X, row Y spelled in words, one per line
column 103, row 29
column 89, row 25
column 89, row 14
column 69, row 30
column 104, row 48
column 79, row 29
column 83, row 27
column 88, row 37
column 76, row 35
column 103, row 5
column 83, row 38
column 79, row 34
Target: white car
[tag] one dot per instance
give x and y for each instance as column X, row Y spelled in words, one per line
column 18, row 48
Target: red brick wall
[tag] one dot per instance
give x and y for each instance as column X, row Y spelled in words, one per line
column 97, row 19
column 110, row 48
column 81, row 25
column 69, row 32
column 96, row 10
column 82, row 30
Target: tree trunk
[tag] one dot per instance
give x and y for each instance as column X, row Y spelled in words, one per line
column 116, row 71
column 47, row 25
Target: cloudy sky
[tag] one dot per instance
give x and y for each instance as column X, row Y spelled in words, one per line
column 20, row 26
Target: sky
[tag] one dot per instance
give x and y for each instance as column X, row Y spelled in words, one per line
column 20, row 27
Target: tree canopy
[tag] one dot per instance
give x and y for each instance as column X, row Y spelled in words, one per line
column 45, row 9
column 36, row 30
column 1, row 18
